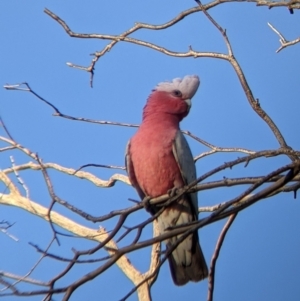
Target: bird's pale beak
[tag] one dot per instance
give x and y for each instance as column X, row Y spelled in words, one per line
column 188, row 101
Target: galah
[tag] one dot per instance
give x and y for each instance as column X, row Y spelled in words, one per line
column 159, row 160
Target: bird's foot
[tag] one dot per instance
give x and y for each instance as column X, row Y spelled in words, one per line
column 172, row 192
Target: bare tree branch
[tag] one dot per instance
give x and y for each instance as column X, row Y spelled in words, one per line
column 283, row 41
column 191, row 53
column 211, row 276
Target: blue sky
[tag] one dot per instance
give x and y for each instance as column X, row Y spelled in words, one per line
column 260, row 257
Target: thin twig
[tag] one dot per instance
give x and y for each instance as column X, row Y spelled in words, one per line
column 52, row 195
column 283, row 41
column 18, row 176
column 211, row 276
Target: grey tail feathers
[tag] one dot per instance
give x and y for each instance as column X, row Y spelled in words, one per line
column 195, row 272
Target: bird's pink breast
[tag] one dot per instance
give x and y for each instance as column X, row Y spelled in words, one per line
column 153, row 161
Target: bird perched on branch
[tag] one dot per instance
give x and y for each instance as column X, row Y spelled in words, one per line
column 159, row 160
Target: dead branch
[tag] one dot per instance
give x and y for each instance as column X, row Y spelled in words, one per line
column 283, row 41
column 211, row 276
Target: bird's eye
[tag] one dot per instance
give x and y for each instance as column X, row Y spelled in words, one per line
column 177, row 93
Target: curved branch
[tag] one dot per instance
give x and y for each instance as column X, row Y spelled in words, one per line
column 71, row 171
column 191, row 53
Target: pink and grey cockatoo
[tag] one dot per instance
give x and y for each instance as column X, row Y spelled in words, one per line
column 158, row 159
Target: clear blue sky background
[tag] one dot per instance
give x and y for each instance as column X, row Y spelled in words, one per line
column 260, row 257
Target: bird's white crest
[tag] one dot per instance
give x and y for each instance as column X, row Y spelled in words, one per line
column 187, row 86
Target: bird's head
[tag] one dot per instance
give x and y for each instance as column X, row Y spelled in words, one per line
column 173, row 97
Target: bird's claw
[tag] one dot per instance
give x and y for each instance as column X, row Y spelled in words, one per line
column 172, row 192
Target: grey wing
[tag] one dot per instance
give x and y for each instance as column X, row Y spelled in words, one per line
column 131, row 173
column 185, row 161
